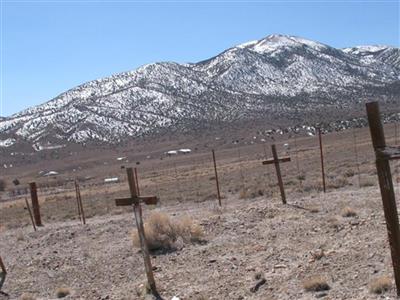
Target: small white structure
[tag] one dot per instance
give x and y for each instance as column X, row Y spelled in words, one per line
column 184, row 151
column 111, row 180
column 121, row 158
column 172, row 152
column 51, row 173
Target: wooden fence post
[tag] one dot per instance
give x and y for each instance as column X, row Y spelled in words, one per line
column 216, row 178
column 383, row 155
column 30, row 213
column 322, row 159
column 35, row 204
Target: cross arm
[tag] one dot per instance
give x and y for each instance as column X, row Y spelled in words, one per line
column 271, row 160
column 388, row 153
column 148, row 200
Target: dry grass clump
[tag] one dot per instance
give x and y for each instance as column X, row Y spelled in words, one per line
column 27, row 296
column 338, row 182
column 367, row 182
column 63, row 292
column 349, row 173
column 380, row 285
column 315, row 284
column 348, row 212
column 334, row 223
column 162, row 232
column 313, row 209
column 317, row 254
column 20, row 236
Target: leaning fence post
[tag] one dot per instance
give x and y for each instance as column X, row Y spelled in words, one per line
column 216, row 177
column 30, row 213
column 383, row 155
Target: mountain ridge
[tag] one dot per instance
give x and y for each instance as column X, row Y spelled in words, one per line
column 278, row 76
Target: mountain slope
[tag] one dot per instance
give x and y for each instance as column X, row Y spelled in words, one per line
column 276, row 77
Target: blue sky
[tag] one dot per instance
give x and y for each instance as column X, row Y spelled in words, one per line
column 48, row 47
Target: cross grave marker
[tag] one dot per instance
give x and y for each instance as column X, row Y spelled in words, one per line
column 276, row 160
column 135, row 200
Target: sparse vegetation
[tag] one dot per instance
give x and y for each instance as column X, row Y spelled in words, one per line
column 162, row 232
column 348, row 212
column 367, row 183
column 380, row 285
column 313, row 209
column 315, row 284
column 301, row 177
column 349, row 173
column 27, row 296
column 338, row 182
column 20, row 236
column 334, row 223
column 63, row 292
column 317, row 254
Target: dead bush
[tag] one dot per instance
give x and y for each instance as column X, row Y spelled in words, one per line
column 315, row 284
column 348, row 212
column 380, row 285
column 162, row 232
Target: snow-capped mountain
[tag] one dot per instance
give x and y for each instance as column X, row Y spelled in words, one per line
column 275, row 77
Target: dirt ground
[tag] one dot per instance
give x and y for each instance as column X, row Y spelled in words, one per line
column 252, row 237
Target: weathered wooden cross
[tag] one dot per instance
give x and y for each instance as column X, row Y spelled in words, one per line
column 136, row 200
column 384, row 154
column 275, row 160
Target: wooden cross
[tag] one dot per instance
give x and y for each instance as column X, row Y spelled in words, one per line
column 136, row 200
column 275, row 160
column 384, row 154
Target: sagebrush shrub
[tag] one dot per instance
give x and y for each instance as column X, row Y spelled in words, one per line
column 162, row 232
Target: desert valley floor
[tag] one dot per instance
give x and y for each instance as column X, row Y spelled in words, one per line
column 253, row 247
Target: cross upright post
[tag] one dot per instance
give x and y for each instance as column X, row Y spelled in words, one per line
column 136, row 200
column 276, row 160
